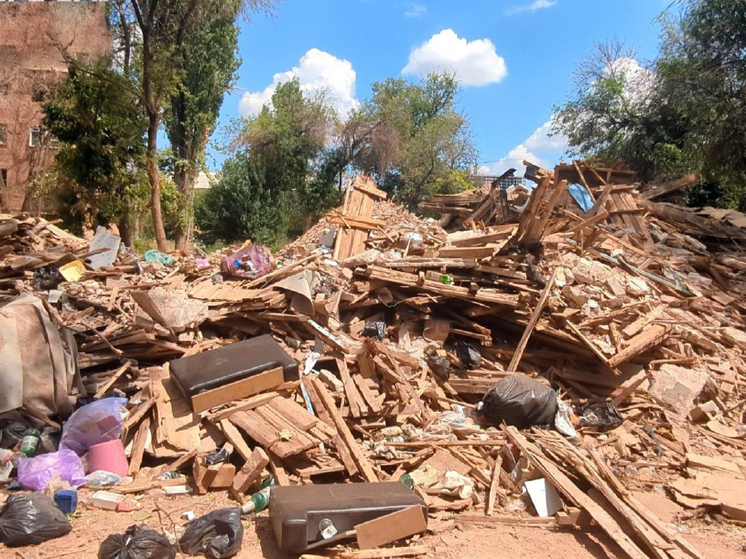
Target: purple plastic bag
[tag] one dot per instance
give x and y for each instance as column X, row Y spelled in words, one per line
column 36, row 473
column 97, row 422
column 250, row 262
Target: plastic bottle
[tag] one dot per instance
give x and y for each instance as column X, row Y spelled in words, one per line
column 407, row 480
column 445, row 279
column 29, row 442
column 258, row 501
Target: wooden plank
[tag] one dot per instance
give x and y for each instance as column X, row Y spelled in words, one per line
column 478, row 252
column 114, row 377
column 249, row 404
column 235, row 438
column 566, row 486
column 646, row 514
column 391, row 527
column 494, row 485
column 516, row 360
column 644, row 341
column 251, row 471
column 220, row 476
column 358, row 407
column 345, row 434
column 370, row 397
column 255, row 427
column 173, row 466
column 637, row 326
column 138, row 447
column 297, row 442
column 294, row 413
column 239, row 389
column 138, row 414
column 326, row 418
column 413, row 280
column 278, row 470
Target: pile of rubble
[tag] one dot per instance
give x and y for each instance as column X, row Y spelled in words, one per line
column 382, row 347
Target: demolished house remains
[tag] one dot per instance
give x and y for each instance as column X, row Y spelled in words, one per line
column 575, row 341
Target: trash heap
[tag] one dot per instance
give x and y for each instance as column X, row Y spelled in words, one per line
column 524, row 356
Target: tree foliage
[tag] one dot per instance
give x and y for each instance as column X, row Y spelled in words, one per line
column 150, row 36
column 684, row 112
column 207, row 60
column 412, row 137
column 282, row 175
column 100, row 123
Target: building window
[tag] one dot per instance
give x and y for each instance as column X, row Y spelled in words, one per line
column 3, row 178
column 34, row 137
column 3, row 135
column 40, row 137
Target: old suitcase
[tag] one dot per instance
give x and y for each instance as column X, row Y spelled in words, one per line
column 231, row 364
column 296, row 511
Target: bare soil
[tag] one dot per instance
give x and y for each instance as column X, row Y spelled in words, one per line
column 449, row 540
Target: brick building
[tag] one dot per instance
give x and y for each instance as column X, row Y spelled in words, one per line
column 33, row 36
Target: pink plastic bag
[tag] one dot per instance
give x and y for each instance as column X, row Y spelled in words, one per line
column 97, row 422
column 36, row 473
column 250, row 262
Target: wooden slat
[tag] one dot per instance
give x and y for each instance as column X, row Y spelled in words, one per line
column 326, row 418
column 255, row 427
column 251, row 471
column 644, row 341
column 391, row 527
column 358, row 407
column 566, row 486
column 235, row 438
column 138, row 446
column 345, row 434
column 239, row 389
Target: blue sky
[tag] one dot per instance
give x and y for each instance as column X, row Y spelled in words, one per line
column 515, row 58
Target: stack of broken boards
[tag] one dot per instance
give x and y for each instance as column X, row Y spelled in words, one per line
column 620, row 304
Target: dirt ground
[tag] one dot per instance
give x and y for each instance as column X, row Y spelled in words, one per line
column 450, row 540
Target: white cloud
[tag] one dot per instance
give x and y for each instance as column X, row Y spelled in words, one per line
column 474, row 62
column 531, row 8
column 542, row 139
column 317, row 72
column 539, row 148
column 416, row 10
column 638, row 81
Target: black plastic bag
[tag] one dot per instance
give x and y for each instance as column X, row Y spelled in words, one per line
column 49, row 440
column 468, row 354
column 46, row 278
column 440, row 366
column 375, row 330
column 31, row 518
column 600, row 414
column 12, row 433
column 217, row 535
column 520, row 401
column 137, row 542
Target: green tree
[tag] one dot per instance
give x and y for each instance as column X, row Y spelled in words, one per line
column 702, row 69
column 281, row 176
column 100, row 123
column 149, row 34
column 412, row 137
column 207, row 60
column 615, row 114
column 685, row 112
